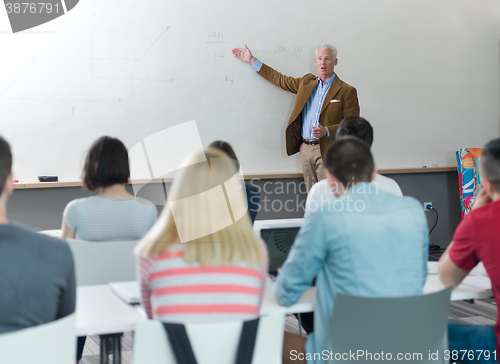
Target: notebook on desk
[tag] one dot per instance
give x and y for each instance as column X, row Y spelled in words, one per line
column 127, row 291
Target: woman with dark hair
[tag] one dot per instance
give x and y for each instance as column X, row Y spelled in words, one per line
column 251, row 191
column 113, row 214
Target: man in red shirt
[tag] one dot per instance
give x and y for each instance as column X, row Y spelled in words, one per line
column 477, row 239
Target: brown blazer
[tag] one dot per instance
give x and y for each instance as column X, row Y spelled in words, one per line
column 331, row 112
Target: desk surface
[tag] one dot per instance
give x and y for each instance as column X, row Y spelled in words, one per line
column 462, row 292
column 306, row 302
column 99, row 311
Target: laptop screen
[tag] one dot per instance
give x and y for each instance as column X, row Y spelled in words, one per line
column 279, row 241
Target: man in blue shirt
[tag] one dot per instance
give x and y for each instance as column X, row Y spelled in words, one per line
column 321, row 103
column 366, row 243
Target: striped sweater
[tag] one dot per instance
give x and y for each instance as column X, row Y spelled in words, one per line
column 98, row 218
column 175, row 291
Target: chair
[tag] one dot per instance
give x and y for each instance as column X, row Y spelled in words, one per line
column 51, row 343
column 469, row 181
column 103, row 262
column 214, row 343
column 397, row 325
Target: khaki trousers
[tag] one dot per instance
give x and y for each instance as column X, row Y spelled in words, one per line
column 312, row 164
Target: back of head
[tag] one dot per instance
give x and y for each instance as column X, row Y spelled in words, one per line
column 356, row 126
column 490, row 163
column 349, row 160
column 106, row 164
column 207, row 211
column 5, row 162
column 226, row 148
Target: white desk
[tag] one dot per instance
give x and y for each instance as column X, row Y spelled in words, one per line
column 307, row 301
column 462, row 292
column 100, row 312
column 55, row 233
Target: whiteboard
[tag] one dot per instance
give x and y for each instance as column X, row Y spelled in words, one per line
column 426, row 71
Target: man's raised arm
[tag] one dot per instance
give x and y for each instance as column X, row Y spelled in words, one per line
column 286, row 83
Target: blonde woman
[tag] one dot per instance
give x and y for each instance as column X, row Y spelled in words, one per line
column 201, row 261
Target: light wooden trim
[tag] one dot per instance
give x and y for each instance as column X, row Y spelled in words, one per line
column 417, row 170
column 148, row 180
column 276, row 175
column 52, row 184
column 248, row 176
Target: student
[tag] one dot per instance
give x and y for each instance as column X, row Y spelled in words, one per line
column 252, row 192
column 37, row 275
column 366, row 243
column 477, row 240
column 201, row 262
column 360, row 128
column 113, row 214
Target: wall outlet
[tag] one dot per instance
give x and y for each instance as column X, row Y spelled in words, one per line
column 427, row 204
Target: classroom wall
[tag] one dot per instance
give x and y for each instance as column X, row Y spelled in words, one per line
column 280, row 199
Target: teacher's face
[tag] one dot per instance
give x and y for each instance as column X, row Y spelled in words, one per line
column 325, row 63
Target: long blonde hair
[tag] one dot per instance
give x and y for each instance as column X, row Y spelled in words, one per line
column 207, row 210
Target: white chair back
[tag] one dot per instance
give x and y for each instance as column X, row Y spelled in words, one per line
column 215, row 343
column 407, row 329
column 103, row 262
column 51, row 343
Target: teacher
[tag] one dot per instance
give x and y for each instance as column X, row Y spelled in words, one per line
column 321, row 103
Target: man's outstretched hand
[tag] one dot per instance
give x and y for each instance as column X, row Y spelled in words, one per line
column 244, row 54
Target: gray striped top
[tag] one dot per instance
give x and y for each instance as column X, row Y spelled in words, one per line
column 104, row 219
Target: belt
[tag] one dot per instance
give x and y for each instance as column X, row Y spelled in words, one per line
column 311, row 141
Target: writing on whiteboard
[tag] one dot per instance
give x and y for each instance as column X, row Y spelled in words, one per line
column 216, row 35
column 282, row 48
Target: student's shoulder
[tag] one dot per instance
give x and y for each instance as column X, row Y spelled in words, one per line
column 78, row 202
column 412, row 203
column 28, row 236
column 487, row 212
column 144, row 205
column 320, row 188
column 392, row 201
column 388, row 185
